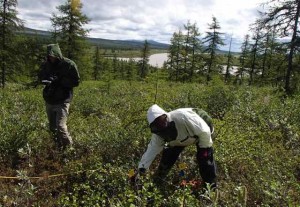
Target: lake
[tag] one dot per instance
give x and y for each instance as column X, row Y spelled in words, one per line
column 156, row 60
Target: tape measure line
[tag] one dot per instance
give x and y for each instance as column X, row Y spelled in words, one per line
column 46, row 176
column 42, row 177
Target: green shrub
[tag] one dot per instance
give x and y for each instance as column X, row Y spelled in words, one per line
column 256, row 146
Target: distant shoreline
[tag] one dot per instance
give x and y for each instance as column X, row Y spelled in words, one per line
column 155, row 60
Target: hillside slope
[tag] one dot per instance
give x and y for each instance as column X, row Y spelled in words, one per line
column 104, row 43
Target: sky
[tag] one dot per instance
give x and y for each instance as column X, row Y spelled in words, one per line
column 150, row 19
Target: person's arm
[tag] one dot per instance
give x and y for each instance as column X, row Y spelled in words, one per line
column 155, row 146
column 42, row 75
column 72, row 78
column 45, row 77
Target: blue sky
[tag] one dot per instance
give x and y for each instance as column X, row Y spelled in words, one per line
column 150, row 19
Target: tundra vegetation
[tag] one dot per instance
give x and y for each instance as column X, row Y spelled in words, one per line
column 256, row 146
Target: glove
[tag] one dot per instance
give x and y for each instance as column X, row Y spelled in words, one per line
column 135, row 178
column 134, row 175
column 142, row 171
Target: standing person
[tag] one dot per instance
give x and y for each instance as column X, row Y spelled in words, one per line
column 179, row 128
column 59, row 75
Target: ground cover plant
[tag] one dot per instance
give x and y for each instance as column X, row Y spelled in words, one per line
column 256, row 142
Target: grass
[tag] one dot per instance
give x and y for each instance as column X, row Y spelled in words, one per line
column 256, row 147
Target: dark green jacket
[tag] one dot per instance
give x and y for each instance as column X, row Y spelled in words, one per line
column 63, row 76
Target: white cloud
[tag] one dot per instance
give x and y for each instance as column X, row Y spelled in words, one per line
column 148, row 19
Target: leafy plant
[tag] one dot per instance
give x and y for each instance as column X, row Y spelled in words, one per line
column 256, row 146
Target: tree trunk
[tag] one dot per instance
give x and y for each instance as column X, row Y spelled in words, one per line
column 3, row 64
column 291, row 54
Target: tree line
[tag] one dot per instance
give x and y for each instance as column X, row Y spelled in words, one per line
column 269, row 52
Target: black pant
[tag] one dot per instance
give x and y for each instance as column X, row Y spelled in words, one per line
column 205, row 160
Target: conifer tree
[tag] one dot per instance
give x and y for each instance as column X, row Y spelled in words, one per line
column 10, row 23
column 244, row 58
column 214, row 40
column 174, row 62
column 268, row 46
column 187, row 50
column 265, row 55
column 195, row 47
column 284, row 16
column 69, row 31
column 276, row 64
column 145, row 54
column 229, row 62
column 115, row 66
column 131, row 70
column 97, row 64
column 255, row 49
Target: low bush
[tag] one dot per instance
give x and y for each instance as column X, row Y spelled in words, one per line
column 256, row 146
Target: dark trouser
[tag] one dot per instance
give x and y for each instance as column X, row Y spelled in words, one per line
column 207, row 166
column 57, row 117
column 205, row 161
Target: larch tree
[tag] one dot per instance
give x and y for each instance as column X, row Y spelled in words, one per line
column 10, row 23
column 229, row 62
column 69, row 32
column 255, row 50
column 97, row 64
column 175, row 59
column 244, row 58
column 195, row 46
column 187, row 50
column 283, row 15
column 266, row 51
column 145, row 54
column 269, row 54
column 115, row 66
column 214, row 40
column 131, row 70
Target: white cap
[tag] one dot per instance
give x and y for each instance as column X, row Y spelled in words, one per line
column 153, row 112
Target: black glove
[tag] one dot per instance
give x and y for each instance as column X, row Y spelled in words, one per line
column 135, row 177
column 142, row 171
column 135, row 180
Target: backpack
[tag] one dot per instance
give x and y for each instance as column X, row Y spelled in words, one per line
column 204, row 115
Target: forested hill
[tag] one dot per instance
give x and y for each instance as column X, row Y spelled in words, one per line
column 113, row 44
column 105, row 43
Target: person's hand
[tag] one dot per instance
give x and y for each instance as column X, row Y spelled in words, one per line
column 46, row 82
column 53, row 79
column 50, row 80
column 135, row 180
column 134, row 175
column 142, row 171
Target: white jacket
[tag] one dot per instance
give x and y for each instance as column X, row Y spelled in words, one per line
column 188, row 124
